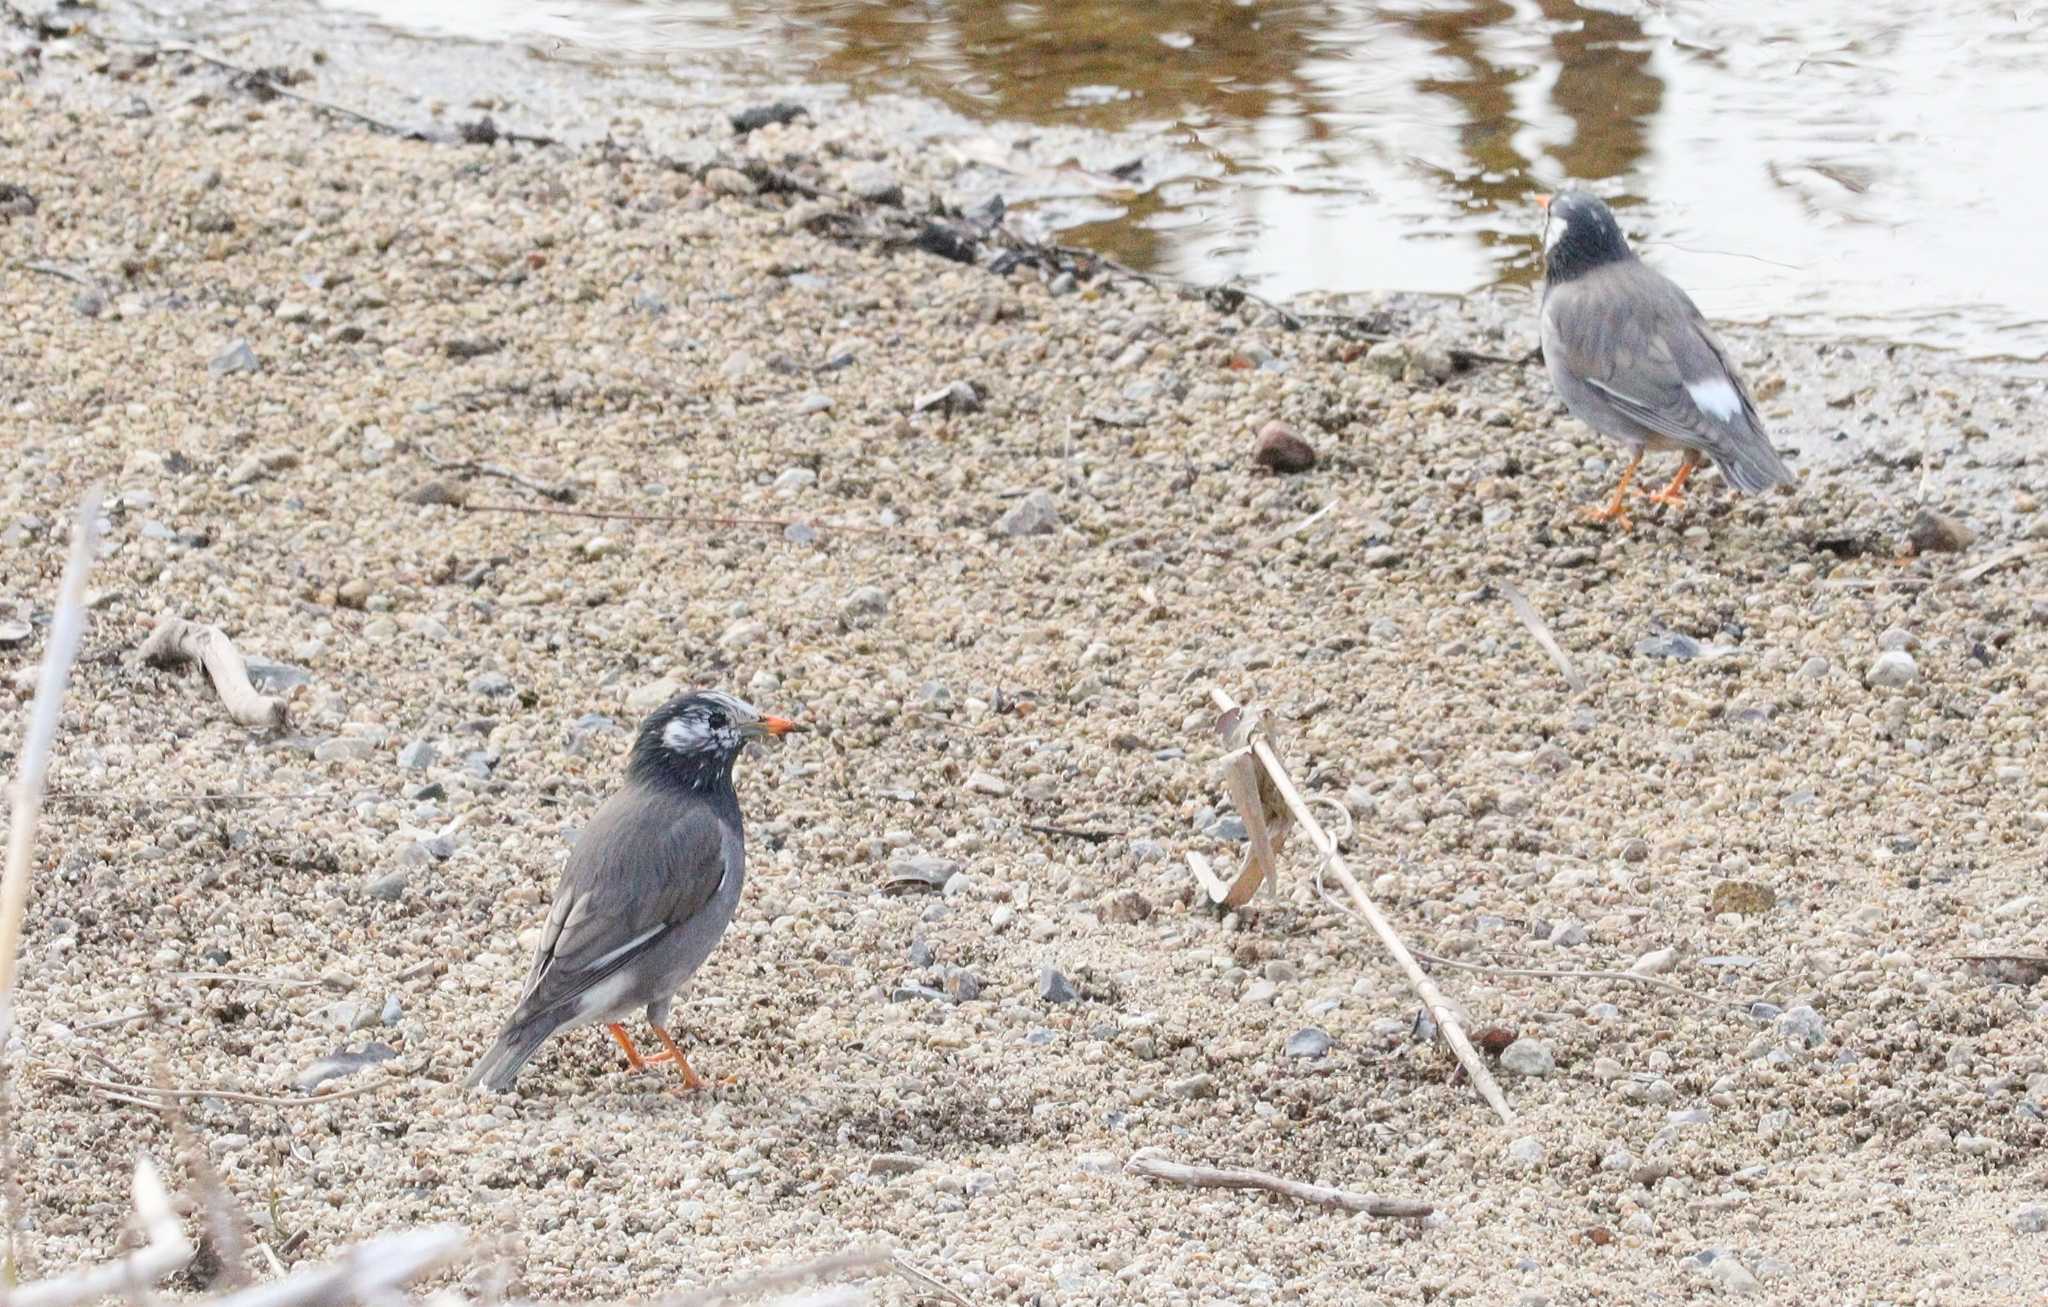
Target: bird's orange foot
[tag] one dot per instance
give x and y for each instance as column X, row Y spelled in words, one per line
column 1612, row 511
column 1669, row 497
column 691, row 1080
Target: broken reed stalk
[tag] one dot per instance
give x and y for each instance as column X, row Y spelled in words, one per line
column 33, row 773
column 165, row 1251
column 1418, row 979
column 176, row 642
column 1212, row 1177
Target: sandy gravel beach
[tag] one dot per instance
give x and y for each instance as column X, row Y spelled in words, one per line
column 969, row 978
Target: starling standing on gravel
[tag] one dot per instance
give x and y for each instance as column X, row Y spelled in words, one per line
column 650, row 887
column 1634, row 359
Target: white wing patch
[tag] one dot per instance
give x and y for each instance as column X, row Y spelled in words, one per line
column 1553, row 232
column 1717, row 398
column 596, row 964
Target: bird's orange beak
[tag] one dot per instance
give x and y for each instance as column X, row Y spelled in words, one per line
column 780, row 726
column 1543, row 203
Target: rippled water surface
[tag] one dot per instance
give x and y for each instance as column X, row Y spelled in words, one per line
column 1866, row 167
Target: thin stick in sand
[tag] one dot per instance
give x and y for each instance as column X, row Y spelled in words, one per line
column 1539, row 629
column 1418, row 980
column 1209, row 1177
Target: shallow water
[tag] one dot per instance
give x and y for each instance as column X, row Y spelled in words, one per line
column 1843, row 168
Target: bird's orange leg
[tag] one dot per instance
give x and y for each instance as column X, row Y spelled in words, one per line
column 1673, row 495
column 633, row 1058
column 690, row 1080
column 1614, row 511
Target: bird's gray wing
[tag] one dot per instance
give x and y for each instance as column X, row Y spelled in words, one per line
column 644, row 865
column 1633, row 335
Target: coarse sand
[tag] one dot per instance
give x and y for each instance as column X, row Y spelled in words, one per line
column 1003, row 614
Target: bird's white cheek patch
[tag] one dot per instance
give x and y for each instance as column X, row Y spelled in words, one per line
column 1553, row 232
column 1717, row 399
column 683, row 736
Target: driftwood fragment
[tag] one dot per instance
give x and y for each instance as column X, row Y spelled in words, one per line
column 1267, row 821
column 176, row 642
column 1152, row 1167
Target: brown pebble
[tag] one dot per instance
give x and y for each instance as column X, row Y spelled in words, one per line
column 1493, row 1039
column 1280, row 450
column 1938, row 533
column 1744, row 897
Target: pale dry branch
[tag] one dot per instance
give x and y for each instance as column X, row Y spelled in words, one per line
column 1419, row 981
column 783, row 1277
column 930, row 1283
column 150, row 1096
column 1541, row 631
column 166, row 1250
column 176, row 642
column 1152, row 1167
column 362, row 1274
column 694, row 519
column 32, row 773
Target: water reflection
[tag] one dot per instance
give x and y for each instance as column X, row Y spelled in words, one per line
column 1836, row 164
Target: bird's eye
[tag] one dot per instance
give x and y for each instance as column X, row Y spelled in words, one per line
column 715, row 720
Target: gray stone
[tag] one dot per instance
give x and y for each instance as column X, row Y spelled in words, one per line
column 981, row 782
column 276, row 678
column 1893, row 670
column 237, row 357
column 959, row 397
column 1802, row 1026
column 391, row 1011
column 490, row 684
column 342, row 748
column 2031, row 1219
column 1033, row 515
column 343, row 1062
column 1311, row 1042
column 390, row 887
column 863, row 606
column 794, row 479
column 875, row 184
column 813, row 401
column 1526, row 1151
column 417, row 756
column 1528, row 1057
column 1199, row 1085
column 1053, row 987
column 14, row 632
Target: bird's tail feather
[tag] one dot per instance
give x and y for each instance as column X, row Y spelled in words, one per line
column 1753, row 466
column 498, row 1068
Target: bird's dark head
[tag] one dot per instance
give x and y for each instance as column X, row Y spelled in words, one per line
column 1579, row 235
column 693, row 739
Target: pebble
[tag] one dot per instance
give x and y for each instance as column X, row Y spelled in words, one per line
column 1053, row 987
column 1803, row 1026
column 875, row 184
column 955, row 397
column 237, row 357
column 728, row 181
column 1035, row 514
column 981, row 782
column 1731, row 1276
column 13, row 633
column 1280, row 450
column 391, row 886
column 1938, row 533
column 1199, row 1085
column 1310, row 1042
column 1528, row 1057
column 2032, row 1218
column 417, row 756
column 863, row 606
column 343, row 1062
column 1526, row 1151
column 1893, row 670
column 647, row 698
column 490, row 684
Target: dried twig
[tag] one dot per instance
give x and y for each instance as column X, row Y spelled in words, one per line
column 251, row 76
column 1152, row 1167
column 925, row 1280
column 2024, row 959
column 1539, row 629
column 366, row 1273
column 783, row 1277
column 689, row 519
column 59, row 270
column 2017, row 554
column 151, row 1096
column 32, row 773
column 176, row 641
column 1562, row 973
column 470, row 467
column 165, row 1251
column 1072, row 833
column 1418, row 979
